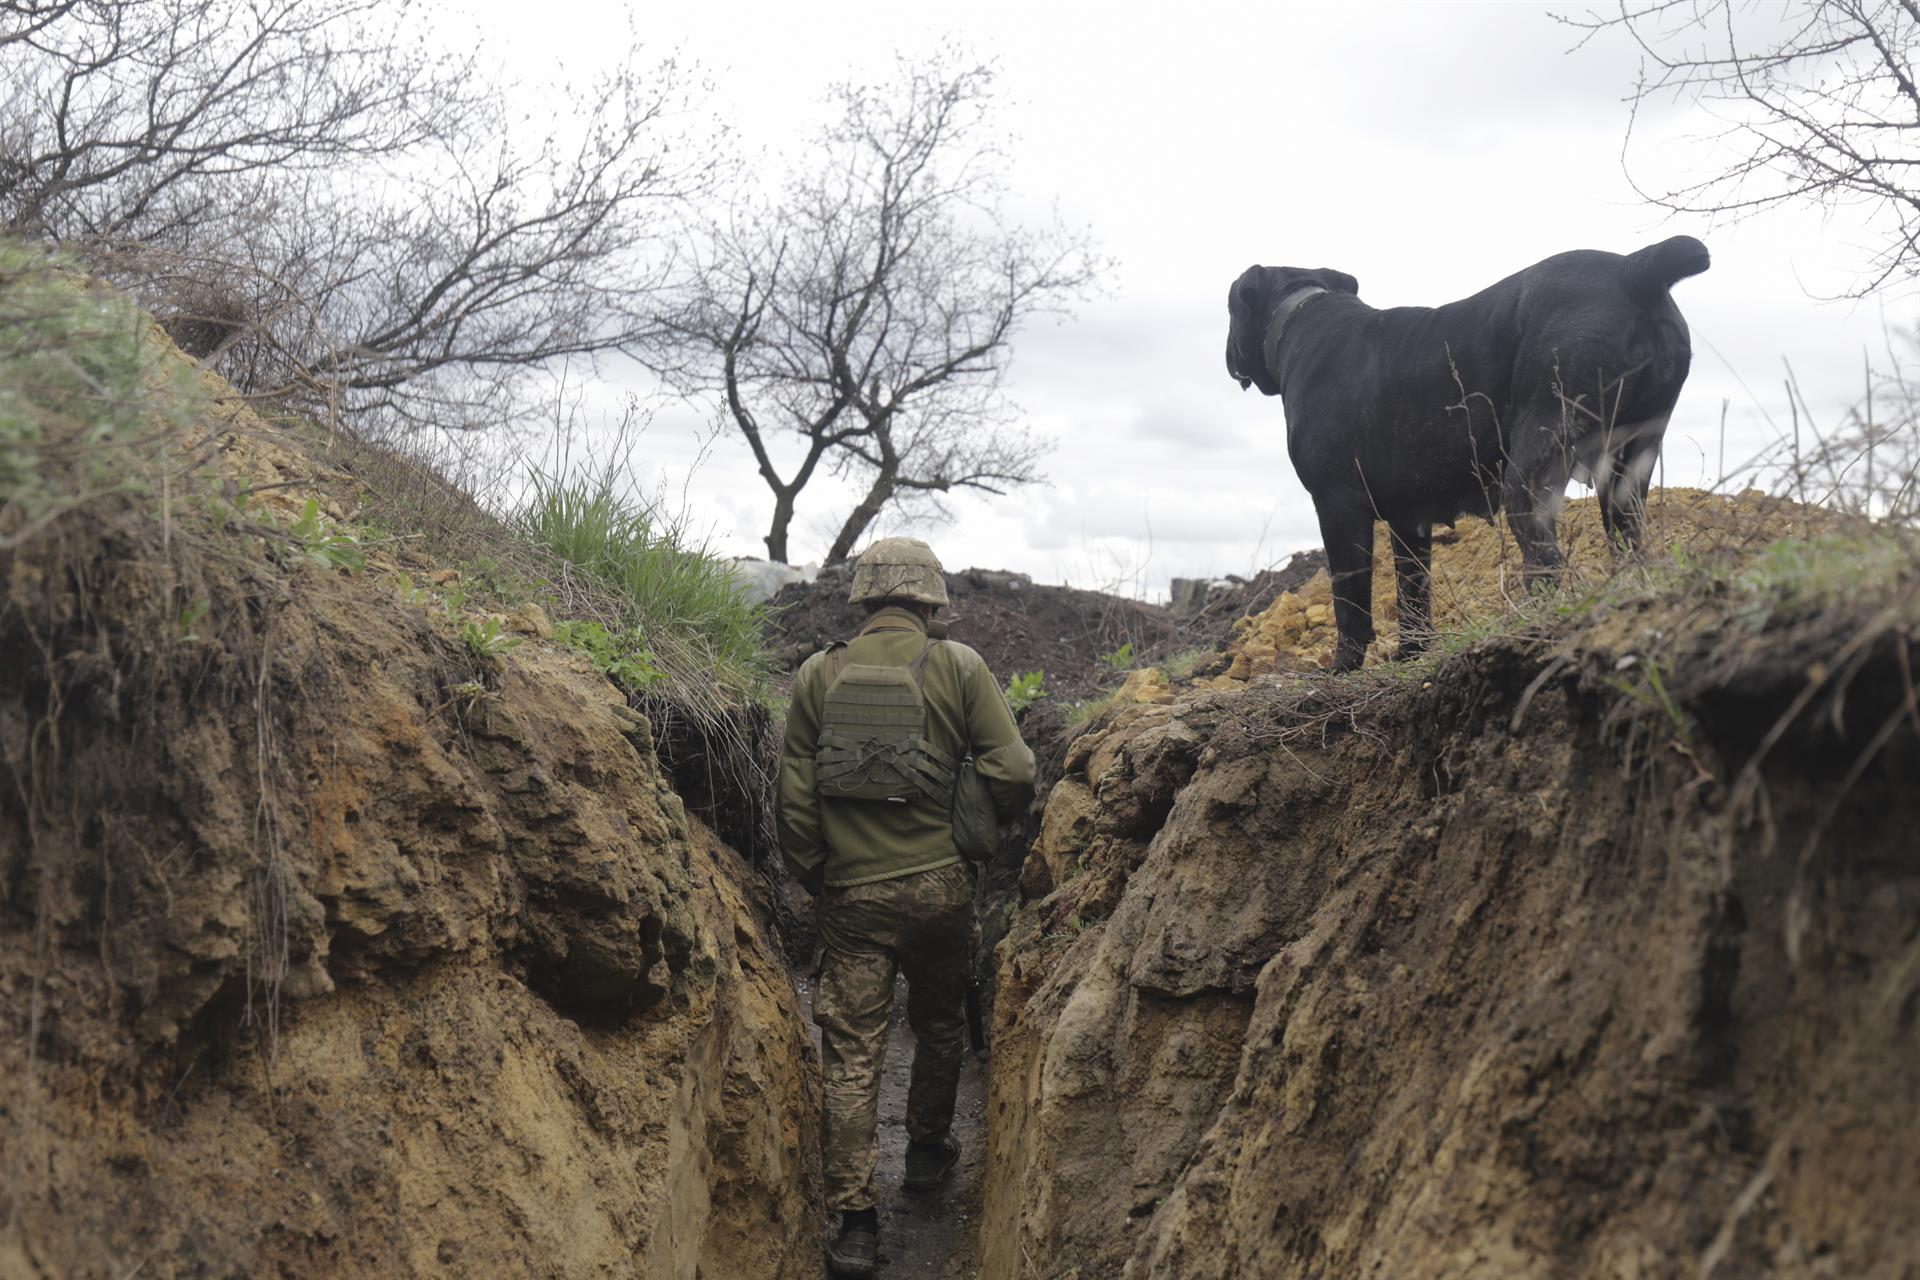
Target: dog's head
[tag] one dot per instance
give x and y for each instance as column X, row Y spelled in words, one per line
column 1251, row 304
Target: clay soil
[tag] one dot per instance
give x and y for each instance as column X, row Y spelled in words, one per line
column 1587, row 951
column 329, row 945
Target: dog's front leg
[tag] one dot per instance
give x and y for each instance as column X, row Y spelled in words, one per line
column 1412, row 560
column 1346, row 530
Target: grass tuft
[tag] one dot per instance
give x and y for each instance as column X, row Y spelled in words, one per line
column 674, row 596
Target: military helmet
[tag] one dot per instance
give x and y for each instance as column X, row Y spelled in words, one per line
column 899, row 569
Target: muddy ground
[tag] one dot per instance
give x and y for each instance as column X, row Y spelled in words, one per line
column 935, row 1236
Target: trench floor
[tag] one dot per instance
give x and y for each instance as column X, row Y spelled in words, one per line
column 936, row 1235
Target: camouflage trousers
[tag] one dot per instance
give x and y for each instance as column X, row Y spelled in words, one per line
column 921, row 925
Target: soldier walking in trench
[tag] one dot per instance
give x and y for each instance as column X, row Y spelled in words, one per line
column 901, row 755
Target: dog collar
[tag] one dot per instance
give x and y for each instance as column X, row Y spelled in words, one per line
column 1289, row 306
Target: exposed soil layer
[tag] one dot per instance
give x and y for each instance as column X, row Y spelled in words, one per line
column 1591, row 951
column 330, row 946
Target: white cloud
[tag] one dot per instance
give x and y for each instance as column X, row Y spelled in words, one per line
column 1427, row 149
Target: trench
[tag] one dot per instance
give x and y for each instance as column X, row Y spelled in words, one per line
column 937, row 1234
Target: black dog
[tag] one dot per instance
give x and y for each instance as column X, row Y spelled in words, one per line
column 1419, row 415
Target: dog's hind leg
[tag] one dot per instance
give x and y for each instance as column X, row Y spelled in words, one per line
column 1346, row 530
column 1534, row 490
column 1412, row 560
column 1622, row 479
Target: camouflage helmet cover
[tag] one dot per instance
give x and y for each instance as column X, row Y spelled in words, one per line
column 899, row 569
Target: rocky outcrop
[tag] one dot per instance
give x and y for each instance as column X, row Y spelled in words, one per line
column 331, row 944
column 1584, row 955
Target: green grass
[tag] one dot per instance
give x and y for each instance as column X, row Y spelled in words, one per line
column 87, row 401
column 678, row 604
column 1800, row 572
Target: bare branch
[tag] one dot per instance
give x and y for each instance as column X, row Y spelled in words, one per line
column 872, row 307
column 1815, row 100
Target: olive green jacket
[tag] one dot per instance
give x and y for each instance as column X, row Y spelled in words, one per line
column 847, row 842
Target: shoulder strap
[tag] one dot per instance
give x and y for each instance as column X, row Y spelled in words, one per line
column 836, row 660
column 919, row 665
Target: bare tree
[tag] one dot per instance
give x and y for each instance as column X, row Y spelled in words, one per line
column 430, row 301
column 345, row 220
column 1816, row 101
column 129, row 118
column 869, row 311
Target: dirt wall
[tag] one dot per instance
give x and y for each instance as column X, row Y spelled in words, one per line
column 331, row 946
column 1525, row 963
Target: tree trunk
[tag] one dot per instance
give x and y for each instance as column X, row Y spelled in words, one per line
column 861, row 516
column 777, row 532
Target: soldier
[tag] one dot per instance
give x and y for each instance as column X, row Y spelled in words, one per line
column 893, row 742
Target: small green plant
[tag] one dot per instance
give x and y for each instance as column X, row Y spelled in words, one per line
column 1079, row 713
column 1651, row 692
column 620, row 656
column 87, row 401
column 1026, row 689
column 190, row 619
column 671, row 586
column 486, row 639
column 1120, row 659
column 311, row 541
column 1184, row 663
column 410, row 594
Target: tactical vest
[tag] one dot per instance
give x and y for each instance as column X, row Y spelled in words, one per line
column 873, row 735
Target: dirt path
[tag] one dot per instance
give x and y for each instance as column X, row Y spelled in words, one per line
column 934, row 1235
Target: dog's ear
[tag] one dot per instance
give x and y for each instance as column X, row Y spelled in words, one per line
column 1245, row 316
column 1338, row 281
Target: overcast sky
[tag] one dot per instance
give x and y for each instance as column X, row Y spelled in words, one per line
column 1428, row 149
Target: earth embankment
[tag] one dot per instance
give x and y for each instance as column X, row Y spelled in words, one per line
column 339, row 935
column 1588, row 950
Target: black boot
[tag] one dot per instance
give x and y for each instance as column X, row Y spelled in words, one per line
column 856, row 1250
column 929, row 1163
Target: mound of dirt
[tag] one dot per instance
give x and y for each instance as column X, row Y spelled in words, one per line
column 1476, row 574
column 1015, row 624
column 1590, row 952
column 335, row 940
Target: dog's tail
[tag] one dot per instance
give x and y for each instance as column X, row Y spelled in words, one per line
column 1655, row 269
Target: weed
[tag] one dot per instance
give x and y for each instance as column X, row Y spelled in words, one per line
column 621, row 656
column 668, row 587
column 1079, row 713
column 410, row 594
column 310, row 541
column 1026, row 689
column 88, row 395
column 189, row 619
column 486, row 639
column 1182, row 665
column 1120, row 659
column 1651, row 692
